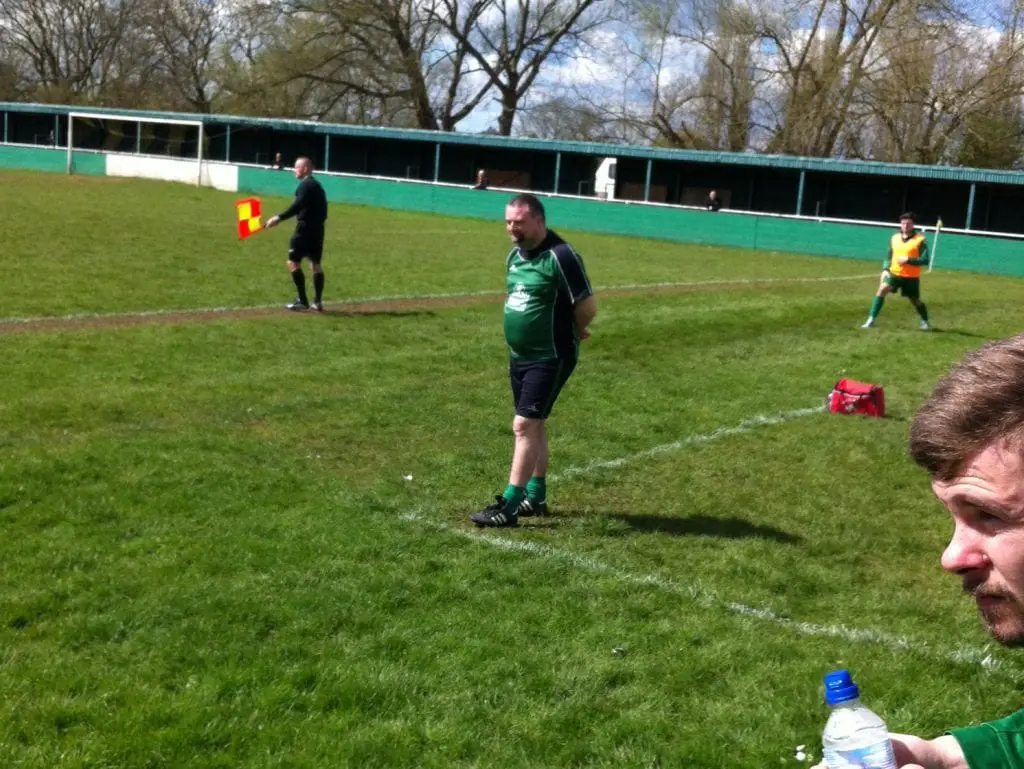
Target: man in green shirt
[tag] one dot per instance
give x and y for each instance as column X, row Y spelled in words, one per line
column 969, row 436
column 548, row 308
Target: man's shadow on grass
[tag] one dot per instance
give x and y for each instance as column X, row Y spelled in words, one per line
column 705, row 526
column 958, row 332
column 688, row 526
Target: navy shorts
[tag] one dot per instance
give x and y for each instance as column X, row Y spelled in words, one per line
column 306, row 246
column 536, row 384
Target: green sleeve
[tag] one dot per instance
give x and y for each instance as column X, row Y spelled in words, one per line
column 888, row 259
column 995, row 744
column 923, row 259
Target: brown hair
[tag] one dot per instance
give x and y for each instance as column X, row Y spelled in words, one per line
column 531, row 202
column 978, row 403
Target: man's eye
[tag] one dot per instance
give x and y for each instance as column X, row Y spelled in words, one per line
column 987, row 516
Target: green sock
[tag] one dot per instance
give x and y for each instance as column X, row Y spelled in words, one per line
column 514, row 495
column 536, row 490
column 922, row 311
column 876, row 307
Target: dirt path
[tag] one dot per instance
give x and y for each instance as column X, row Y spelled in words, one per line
column 128, row 320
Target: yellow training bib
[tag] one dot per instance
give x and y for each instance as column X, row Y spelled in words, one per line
column 909, row 249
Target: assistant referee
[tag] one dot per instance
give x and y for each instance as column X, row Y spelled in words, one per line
column 310, row 210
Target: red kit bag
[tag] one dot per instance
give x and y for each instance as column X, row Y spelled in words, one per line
column 852, row 397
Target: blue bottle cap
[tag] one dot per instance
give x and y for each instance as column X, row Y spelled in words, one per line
column 839, row 687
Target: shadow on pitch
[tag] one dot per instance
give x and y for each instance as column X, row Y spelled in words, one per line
column 958, row 332
column 706, row 526
column 337, row 313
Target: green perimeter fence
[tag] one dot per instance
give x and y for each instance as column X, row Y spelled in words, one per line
column 956, row 251
column 975, row 253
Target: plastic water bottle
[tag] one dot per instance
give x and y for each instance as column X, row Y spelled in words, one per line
column 854, row 736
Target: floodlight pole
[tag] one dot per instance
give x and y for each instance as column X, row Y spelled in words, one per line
column 199, row 174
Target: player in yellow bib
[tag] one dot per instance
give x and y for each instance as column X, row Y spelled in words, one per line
column 901, row 271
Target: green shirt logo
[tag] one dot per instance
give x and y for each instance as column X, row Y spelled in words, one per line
column 518, row 299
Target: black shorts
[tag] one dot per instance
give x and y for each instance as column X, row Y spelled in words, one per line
column 536, row 384
column 909, row 287
column 306, row 245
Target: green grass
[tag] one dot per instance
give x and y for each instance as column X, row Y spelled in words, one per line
column 212, row 558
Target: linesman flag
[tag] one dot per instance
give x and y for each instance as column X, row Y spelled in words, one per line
column 249, row 217
column 935, row 244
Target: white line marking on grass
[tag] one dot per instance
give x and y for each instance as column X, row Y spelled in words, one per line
column 743, row 427
column 738, row 282
column 708, row 599
column 402, row 298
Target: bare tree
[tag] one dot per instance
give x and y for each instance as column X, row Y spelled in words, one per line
column 993, row 132
column 11, row 78
column 903, row 93
column 724, row 115
column 612, row 78
column 688, row 73
column 512, row 40
column 927, row 81
column 390, row 56
column 665, row 98
column 10, row 82
column 820, row 65
column 188, row 35
column 943, row 90
column 564, row 117
column 73, row 49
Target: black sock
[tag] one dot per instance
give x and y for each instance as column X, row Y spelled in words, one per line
column 300, row 284
column 318, row 285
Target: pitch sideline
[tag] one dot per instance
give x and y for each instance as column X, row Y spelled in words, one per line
column 708, row 599
column 743, row 427
column 695, row 592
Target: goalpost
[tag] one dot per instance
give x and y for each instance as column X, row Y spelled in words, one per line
column 140, row 121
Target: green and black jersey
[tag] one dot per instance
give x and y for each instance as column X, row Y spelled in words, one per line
column 544, row 284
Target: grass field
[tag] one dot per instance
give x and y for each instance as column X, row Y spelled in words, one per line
column 212, row 556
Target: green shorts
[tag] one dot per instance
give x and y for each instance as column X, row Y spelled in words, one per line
column 909, row 287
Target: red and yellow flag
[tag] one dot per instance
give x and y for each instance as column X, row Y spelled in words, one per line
column 249, row 221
